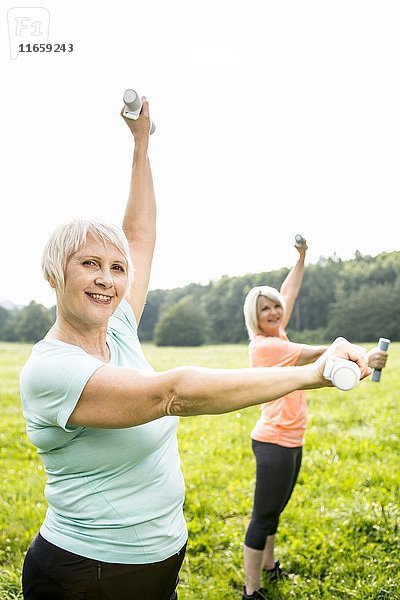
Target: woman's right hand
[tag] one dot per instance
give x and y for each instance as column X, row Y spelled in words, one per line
column 302, row 249
column 140, row 127
column 342, row 348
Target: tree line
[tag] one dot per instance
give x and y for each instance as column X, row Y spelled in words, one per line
column 357, row 298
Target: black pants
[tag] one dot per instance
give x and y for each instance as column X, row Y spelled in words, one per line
column 277, row 468
column 51, row 573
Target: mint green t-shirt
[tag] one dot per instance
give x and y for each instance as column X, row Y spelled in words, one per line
column 114, row 495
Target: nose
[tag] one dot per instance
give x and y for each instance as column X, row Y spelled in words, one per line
column 105, row 280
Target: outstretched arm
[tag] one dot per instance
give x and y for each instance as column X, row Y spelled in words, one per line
column 309, row 354
column 376, row 357
column 117, row 397
column 139, row 221
column 290, row 288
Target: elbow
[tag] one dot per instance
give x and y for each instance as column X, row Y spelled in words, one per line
column 177, row 400
column 176, row 406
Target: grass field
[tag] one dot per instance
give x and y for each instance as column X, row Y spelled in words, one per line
column 339, row 534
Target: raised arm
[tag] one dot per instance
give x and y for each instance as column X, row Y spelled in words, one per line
column 117, row 397
column 139, row 221
column 290, row 288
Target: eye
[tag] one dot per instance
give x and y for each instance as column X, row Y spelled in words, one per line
column 89, row 263
column 119, row 268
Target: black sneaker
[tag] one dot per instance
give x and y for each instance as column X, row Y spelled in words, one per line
column 275, row 573
column 257, row 595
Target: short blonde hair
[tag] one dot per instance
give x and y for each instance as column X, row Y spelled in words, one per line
column 70, row 237
column 250, row 306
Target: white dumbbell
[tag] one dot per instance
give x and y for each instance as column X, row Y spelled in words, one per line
column 299, row 241
column 133, row 106
column 344, row 374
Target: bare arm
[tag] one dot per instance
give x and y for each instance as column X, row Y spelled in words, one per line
column 139, row 221
column 290, row 288
column 309, row 354
column 117, row 397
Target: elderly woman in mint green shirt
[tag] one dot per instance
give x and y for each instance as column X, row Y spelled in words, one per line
column 104, row 422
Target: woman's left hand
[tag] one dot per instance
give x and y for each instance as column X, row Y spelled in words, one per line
column 377, row 358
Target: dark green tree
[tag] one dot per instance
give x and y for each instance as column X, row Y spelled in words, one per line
column 181, row 325
column 367, row 314
column 222, row 306
column 5, row 319
column 151, row 314
column 316, row 295
column 337, row 298
column 33, row 322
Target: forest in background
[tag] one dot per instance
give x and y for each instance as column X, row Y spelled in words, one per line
column 357, row 298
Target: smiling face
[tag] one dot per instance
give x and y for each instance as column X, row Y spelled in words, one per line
column 269, row 314
column 95, row 283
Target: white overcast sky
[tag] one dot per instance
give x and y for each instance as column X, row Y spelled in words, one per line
column 273, row 118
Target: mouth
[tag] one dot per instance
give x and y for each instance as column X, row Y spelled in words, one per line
column 100, row 298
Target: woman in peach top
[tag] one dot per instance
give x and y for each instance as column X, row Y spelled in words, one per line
column 278, row 435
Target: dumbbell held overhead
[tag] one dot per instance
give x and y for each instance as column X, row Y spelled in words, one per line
column 299, row 241
column 133, row 106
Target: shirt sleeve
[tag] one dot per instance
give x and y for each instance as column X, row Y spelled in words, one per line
column 274, row 352
column 52, row 382
column 123, row 320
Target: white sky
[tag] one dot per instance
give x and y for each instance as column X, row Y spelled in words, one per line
column 273, row 118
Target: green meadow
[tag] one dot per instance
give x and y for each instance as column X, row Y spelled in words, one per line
column 339, row 535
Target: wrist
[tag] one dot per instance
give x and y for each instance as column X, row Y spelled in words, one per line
column 141, row 144
column 310, row 377
column 140, row 152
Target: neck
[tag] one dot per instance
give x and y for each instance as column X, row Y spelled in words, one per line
column 91, row 339
column 271, row 332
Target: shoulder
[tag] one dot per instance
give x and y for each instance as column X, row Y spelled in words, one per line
column 49, row 353
column 123, row 320
column 53, row 378
column 274, row 351
column 54, row 364
column 263, row 350
column 266, row 341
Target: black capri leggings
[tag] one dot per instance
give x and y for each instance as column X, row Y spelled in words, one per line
column 277, row 468
column 51, row 573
